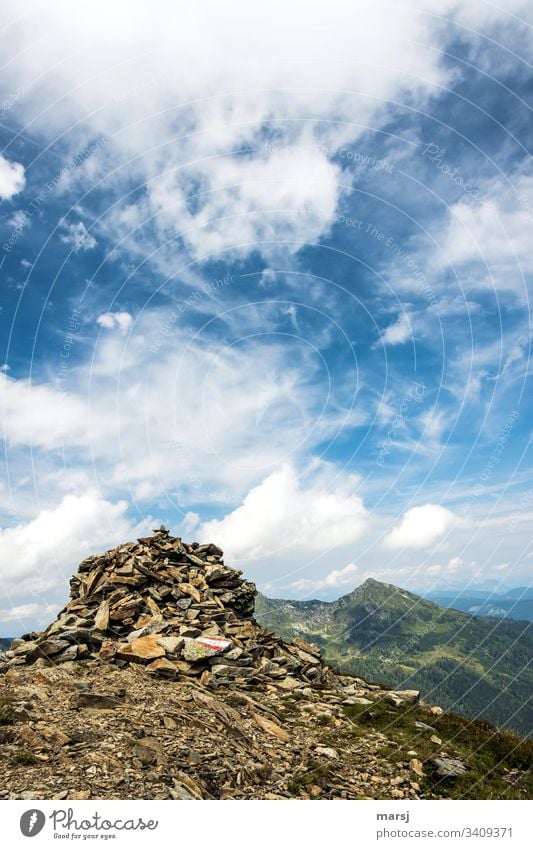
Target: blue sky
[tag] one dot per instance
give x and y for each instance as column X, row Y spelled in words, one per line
column 265, row 279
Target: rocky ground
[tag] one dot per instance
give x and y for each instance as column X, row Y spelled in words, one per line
column 155, row 682
column 104, row 733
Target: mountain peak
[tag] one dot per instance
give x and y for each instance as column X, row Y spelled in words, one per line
column 382, row 588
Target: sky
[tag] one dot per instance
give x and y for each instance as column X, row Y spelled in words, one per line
column 265, row 279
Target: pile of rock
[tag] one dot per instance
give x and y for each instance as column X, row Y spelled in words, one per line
column 176, row 609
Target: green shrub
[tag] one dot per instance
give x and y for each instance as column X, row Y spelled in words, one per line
column 25, row 758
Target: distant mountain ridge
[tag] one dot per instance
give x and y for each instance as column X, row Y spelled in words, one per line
column 476, row 666
column 516, row 603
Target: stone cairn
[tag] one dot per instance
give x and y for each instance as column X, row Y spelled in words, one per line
column 176, row 609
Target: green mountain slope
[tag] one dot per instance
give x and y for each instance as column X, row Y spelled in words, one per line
column 475, row 666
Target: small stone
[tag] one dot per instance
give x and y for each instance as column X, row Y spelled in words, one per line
column 53, row 735
column 29, row 737
column 410, row 696
column 180, row 793
column 98, row 701
column 107, row 651
column 288, row 683
column 171, row 644
column 417, row 767
column 327, row 752
column 69, row 654
column 101, row 620
column 144, row 754
column 234, row 654
column 422, row 726
column 145, row 648
column 47, row 649
column 23, row 647
column 163, row 668
column 449, row 767
column 393, row 699
column 188, row 589
column 271, row 727
column 79, row 794
column 221, row 670
column 307, row 658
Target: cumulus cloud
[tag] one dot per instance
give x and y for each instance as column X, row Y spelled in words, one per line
column 444, row 570
column 39, row 415
column 491, row 237
column 37, row 555
column 334, row 579
column 12, row 178
column 421, row 526
column 399, row 332
column 231, row 156
column 76, row 234
column 120, row 321
column 283, row 513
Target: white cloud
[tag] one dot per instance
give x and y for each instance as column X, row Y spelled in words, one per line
column 235, row 156
column 157, row 412
column 16, row 617
column 334, row 579
column 76, row 234
column 444, row 571
column 283, row 513
column 37, row 555
column 191, row 522
column 18, row 221
column 12, row 179
column 197, row 140
column 121, row 321
column 491, row 238
column 40, row 416
column 420, row 527
column 433, row 422
column 454, row 564
column 287, row 197
column 400, row 332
